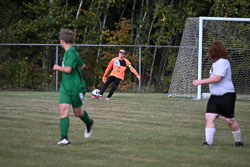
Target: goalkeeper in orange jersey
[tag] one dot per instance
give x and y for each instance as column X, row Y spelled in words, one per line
column 119, row 65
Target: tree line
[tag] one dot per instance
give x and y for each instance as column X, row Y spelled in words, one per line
column 121, row 22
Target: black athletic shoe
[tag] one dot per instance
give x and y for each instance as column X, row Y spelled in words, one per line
column 206, row 144
column 238, row 144
column 89, row 130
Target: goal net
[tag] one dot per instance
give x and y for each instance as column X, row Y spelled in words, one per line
column 193, row 61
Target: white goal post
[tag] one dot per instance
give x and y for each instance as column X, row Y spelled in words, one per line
column 192, row 60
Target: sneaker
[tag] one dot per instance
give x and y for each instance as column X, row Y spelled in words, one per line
column 238, row 144
column 89, row 130
column 108, row 98
column 63, row 141
column 206, row 144
column 97, row 97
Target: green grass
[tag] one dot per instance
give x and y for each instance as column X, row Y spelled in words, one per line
column 131, row 130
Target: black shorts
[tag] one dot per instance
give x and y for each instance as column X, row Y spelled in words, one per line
column 223, row 105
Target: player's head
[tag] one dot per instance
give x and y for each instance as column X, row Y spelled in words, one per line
column 66, row 35
column 122, row 51
column 217, row 50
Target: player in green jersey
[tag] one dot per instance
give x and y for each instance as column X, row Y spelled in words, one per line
column 72, row 87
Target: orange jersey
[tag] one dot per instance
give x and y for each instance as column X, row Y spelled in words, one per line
column 119, row 67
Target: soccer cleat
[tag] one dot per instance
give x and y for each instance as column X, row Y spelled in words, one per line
column 206, row 144
column 238, row 144
column 63, row 141
column 108, row 98
column 89, row 130
column 97, row 97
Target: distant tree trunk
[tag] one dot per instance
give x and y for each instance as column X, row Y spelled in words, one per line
column 148, row 49
column 77, row 14
column 162, row 67
column 79, row 8
column 132, row 21
column 150, row 29
column 151, row 21
column 142, row 16
column 66, row 13
column 123, row 11
column 132, row 30
column 86, row 28
column 101, row 36
column 152, row 67
column 98, row 15
column 46, row 58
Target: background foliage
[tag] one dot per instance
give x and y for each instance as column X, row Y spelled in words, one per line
column 127, row 22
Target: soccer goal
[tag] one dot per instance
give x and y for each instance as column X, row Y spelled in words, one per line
column 193, row 61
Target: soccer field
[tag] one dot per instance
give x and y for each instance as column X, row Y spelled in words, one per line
column 131, row 130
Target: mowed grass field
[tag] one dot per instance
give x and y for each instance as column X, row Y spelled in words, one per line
column 131, row 130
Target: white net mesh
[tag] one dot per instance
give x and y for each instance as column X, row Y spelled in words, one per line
column 235, row 35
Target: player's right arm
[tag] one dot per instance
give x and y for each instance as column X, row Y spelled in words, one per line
column 109, row 67
column 70, row 62
column 213, row 79
column 83, row 66
column 62, row 69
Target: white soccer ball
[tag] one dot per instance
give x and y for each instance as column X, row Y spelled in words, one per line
column 95, row 92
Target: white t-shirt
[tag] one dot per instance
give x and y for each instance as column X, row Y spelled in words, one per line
column 221, row 67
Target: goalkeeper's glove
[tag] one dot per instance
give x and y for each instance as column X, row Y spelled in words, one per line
column 139, row 77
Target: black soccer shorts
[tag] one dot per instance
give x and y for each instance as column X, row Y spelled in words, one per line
column 223, row 105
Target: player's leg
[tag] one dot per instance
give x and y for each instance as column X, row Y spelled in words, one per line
column 64, row 105
column 233, row 124
column 77, row 101
column 210, row 128
column 106, row 84
column 228, row 105
column 210, row 117
column 113, row 87
column 64, row 120
column 236, row 132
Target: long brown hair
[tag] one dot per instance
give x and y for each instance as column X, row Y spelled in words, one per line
column 217, row 50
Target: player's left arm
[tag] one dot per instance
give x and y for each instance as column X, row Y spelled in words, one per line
column 134, row 71
column 81, row 63
column 131, row 68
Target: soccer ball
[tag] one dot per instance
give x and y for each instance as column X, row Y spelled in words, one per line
column 95, row 92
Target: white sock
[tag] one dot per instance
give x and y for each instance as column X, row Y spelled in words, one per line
column 209, row 133
column 237, row 135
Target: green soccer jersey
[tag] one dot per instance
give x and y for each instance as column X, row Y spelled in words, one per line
column 72, row 83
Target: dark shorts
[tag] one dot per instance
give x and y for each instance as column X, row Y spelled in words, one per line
column 223, row 105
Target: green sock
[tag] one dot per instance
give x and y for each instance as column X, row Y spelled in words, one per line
column 86, row 118
column 64, row 126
